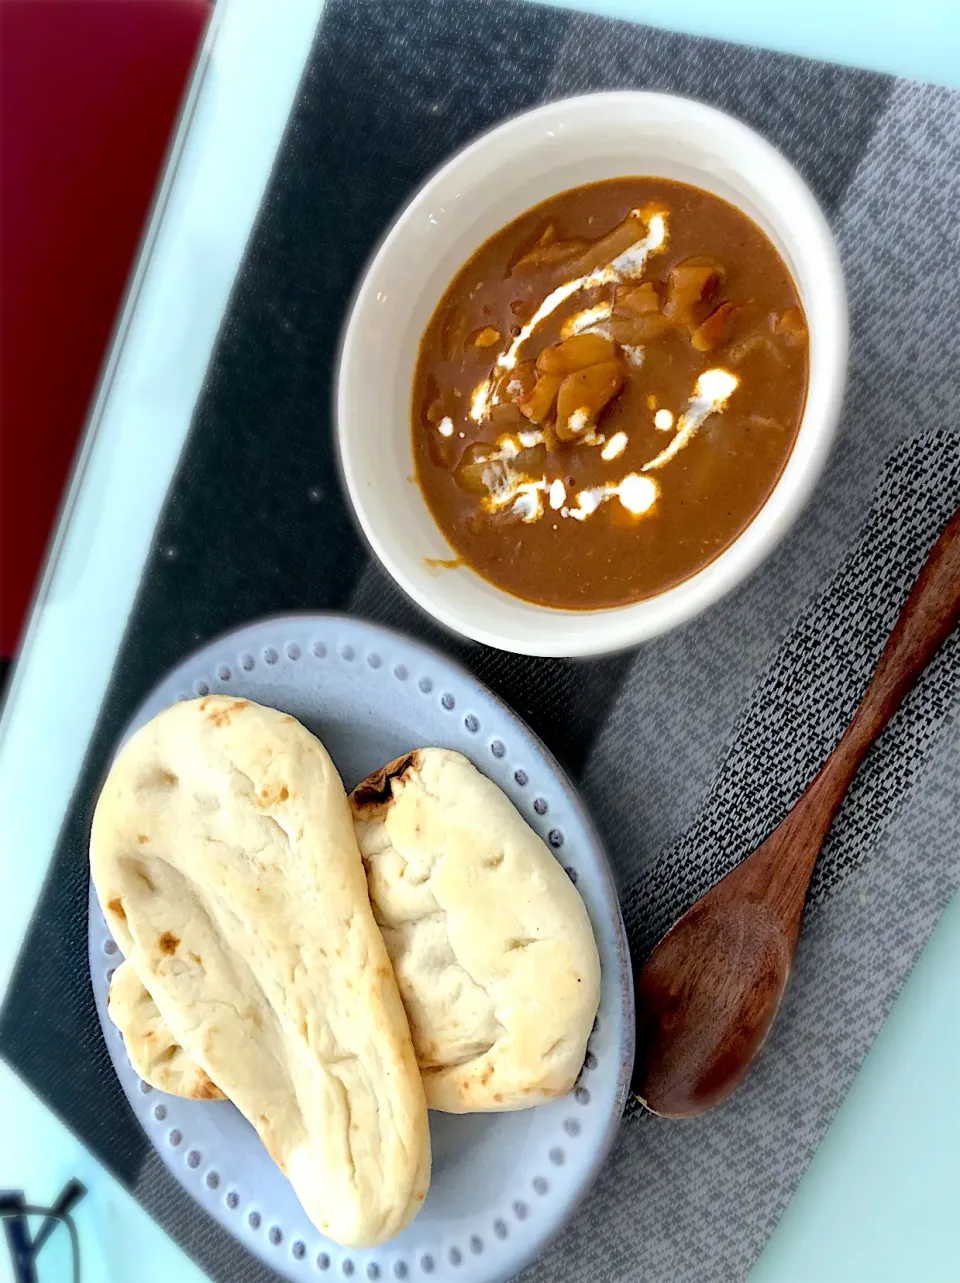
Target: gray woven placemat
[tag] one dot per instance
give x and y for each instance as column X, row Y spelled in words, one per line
column 689, row 749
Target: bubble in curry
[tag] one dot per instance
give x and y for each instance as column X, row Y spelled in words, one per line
column 608, row 392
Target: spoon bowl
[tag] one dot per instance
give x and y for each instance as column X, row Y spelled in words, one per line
column 700, row 1028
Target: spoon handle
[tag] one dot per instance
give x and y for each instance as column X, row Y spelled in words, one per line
column 928, row 617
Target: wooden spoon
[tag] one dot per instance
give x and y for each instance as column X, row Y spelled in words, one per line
column 709, row 992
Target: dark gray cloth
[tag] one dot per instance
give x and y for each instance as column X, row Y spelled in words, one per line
column 688, row 749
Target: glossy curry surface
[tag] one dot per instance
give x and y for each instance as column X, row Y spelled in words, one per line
column 608, row 392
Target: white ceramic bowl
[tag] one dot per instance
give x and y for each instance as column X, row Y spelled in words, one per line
column 489, row 183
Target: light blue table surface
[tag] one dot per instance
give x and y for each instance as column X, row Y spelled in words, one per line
column 880, row 1202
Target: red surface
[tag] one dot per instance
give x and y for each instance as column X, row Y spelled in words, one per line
column 89, row 94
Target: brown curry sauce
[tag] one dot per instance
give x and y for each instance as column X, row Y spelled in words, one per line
column 504, row 420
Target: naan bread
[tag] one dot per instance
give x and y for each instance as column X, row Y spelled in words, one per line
column 224, row 858
column 491, row 944
column 154, row 1052
column 449, row 1032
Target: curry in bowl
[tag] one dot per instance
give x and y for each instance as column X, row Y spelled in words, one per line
column 608, row 392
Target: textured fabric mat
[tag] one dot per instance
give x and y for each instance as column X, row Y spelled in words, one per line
column 689, row 749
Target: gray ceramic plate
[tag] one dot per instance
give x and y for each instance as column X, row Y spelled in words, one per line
column 503, row 1184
